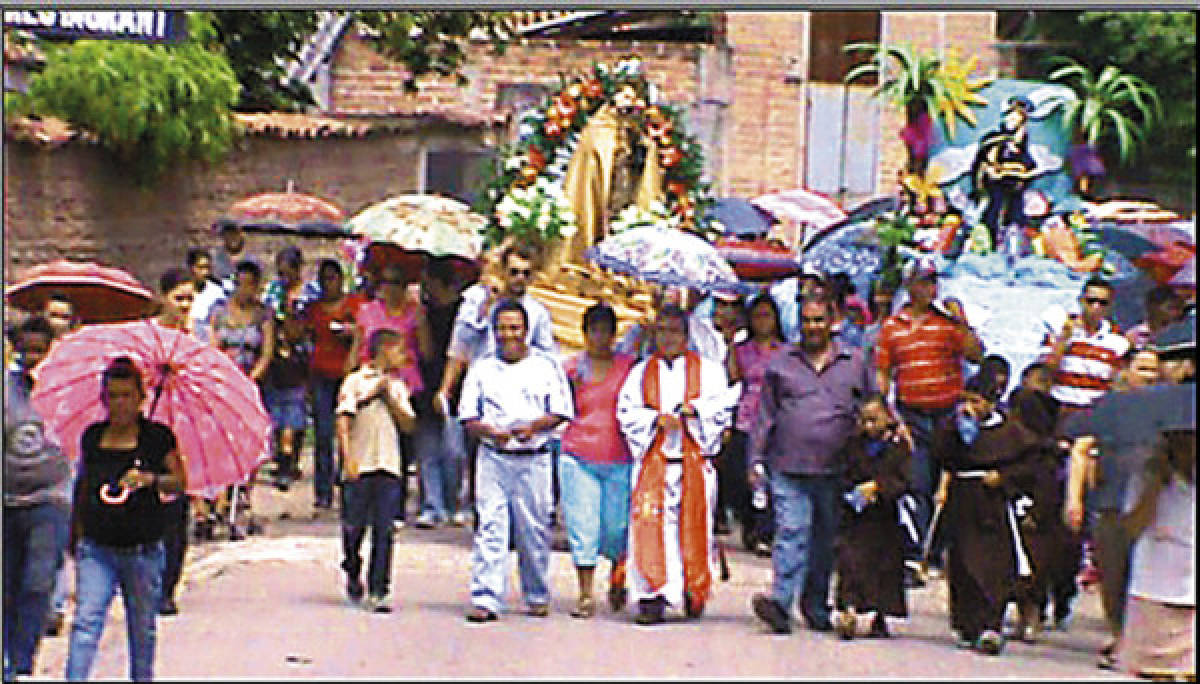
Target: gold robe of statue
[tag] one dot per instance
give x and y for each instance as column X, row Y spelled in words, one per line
column 601, row 180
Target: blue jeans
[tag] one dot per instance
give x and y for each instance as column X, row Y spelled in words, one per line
column 370, row 500
column 438, row 467
column 324, row 392
column 595, row 507
column 924, row 471
column 806, row 522
column 99, row 570
column 512, row 493
column 34, row 539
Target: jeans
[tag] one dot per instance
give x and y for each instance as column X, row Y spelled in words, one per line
column 806, row 522
column 370, row 500
column 34, row 539
column 324, row 392
column 99, row 570
column 923, row 473
column 512, row 494
column 595, row 507
column 438, row 468
column 175, row 543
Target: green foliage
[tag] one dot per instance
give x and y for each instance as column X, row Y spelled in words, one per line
column 911, row 82
column 434, row 42
column 1158, row 47
column 258, row 44
column 1106, row 105
column 150, row 105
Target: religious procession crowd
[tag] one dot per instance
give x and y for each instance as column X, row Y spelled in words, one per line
column 877, row 443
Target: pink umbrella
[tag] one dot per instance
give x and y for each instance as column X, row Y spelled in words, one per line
column 802, row 206
column 215, row 411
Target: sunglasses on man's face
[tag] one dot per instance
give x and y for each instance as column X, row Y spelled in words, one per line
column 514, row 272
column 1098, row 301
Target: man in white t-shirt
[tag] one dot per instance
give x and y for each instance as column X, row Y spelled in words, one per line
column 512, row 401
column 208, row 291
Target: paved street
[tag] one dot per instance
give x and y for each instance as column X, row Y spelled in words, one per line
column 272, row 607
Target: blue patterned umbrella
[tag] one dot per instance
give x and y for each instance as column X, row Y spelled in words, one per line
column 665, row 256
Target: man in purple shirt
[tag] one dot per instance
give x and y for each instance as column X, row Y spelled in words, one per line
column 807, row 411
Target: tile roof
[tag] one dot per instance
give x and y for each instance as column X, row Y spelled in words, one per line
column 289, row 125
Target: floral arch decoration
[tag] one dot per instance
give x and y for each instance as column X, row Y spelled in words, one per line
column 523, row 195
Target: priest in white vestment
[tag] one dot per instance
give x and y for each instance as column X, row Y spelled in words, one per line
column 672, row 410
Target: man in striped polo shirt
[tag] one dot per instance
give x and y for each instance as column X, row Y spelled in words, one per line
column 1086, row 350
column 921, row 351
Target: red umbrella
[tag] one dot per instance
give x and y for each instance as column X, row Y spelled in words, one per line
column 215, row 411
column 100, row 294
column 289, row 213
column 758, row 259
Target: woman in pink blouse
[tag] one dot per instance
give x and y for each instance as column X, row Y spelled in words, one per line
column 747, row 364
column 595, row 466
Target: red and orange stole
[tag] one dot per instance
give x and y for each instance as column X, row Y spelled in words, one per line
column 647, row 509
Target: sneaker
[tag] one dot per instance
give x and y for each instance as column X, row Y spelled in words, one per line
column 962, row 642
column 990, row 642
column 540, row 610
column 399, row 524
column 650, row 611
column 283, row 482
column 426, row 522
column 354, row 589
column 460, row 519
column 762, row 549
column 769, row 611
column 377, row 603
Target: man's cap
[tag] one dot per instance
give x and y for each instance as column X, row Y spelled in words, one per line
column 920, row 267
column 723, row 296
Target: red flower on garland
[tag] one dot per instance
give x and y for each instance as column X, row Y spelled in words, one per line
column 677, row 188
column 536, row 158
column 669, row 156
column 593, row 88
column 553, row 128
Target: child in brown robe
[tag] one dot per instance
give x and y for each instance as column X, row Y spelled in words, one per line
column 870, row 551
column 982, row 455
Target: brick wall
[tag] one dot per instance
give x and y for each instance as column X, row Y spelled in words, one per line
column 765, row 143
column 71, row 202
column 365, row 82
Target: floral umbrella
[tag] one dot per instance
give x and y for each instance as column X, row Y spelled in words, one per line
column 438, row 226
column 214, row 410
column 406, row 229
column 288, row 213
column 100, row 294
column 666, row 256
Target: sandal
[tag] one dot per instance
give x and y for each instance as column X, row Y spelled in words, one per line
column 478, row 614
column 585, row 607
column 1108, row 657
